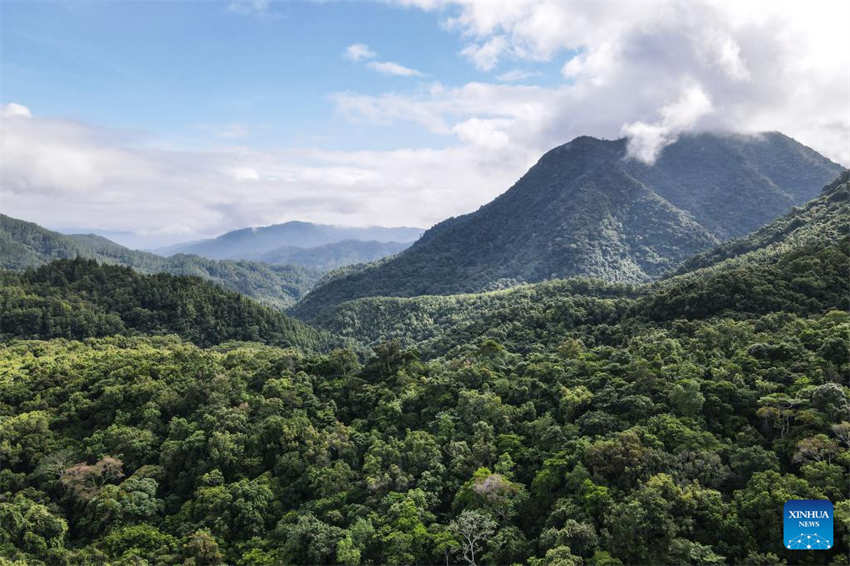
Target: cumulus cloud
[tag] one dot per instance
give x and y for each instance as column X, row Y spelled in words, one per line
column 485, row 55
column 484, row 133
column 13, row 109
column 763, row 65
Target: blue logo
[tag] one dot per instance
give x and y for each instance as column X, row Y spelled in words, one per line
column 808, row 524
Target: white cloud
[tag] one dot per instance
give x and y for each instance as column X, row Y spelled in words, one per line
column 67, row 174
column 390, row 68
column 647, row 140
column 515, row 75
column 13, row 109
column 359, row 52
column 483, row 133
column 763, row 64
column 487, row 54
column 245, row 174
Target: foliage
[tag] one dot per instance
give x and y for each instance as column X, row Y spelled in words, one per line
column 675, row 446
column 570, row 422
column 79, row 299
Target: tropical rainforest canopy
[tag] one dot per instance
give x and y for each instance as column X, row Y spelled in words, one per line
column 157, row 419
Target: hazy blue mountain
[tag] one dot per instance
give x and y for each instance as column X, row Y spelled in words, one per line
column 254, row 243
column 25, row 244
column 586, row 209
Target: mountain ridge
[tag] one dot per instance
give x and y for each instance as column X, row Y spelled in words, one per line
column 26, row 245
column 586, row 209
column 767, row 273
column 81, row 298
column 254, row 242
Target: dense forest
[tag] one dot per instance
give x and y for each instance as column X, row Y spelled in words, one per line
column 564, row 423
column 79, row 299
column 670, row 444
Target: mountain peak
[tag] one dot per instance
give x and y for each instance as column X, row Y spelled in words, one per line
column 583, row 209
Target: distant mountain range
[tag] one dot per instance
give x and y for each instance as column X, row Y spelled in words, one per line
column 587, row 209
column 24, row 245
column 277, row 275
column 319, row 246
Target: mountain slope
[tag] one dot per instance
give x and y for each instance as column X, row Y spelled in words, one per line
column 799, row 263
column 253, row 243
column 585, row 209
column 24, row 245
column 80, row 299
column 826, row 218
column 332, row 256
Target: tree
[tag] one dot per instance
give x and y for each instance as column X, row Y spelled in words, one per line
column 842, row 432
column 685, row 398
column 558, row 556
column 347, row 552
column 201, row 549
column 472, row 528
column 816, row 448
column 404, row 534
column 492, row 492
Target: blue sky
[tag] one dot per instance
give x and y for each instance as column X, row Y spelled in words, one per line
column 184, row 70
column 157, row 122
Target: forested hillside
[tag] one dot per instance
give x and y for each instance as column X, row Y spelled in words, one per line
column 522, row 318
column 24, row 244
column 798, row 263
column 585, row 209
column 569, row 423
column 824, row 219
column 78, row 299
column 332, row 256
column 670, row 444
column 805, row 280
